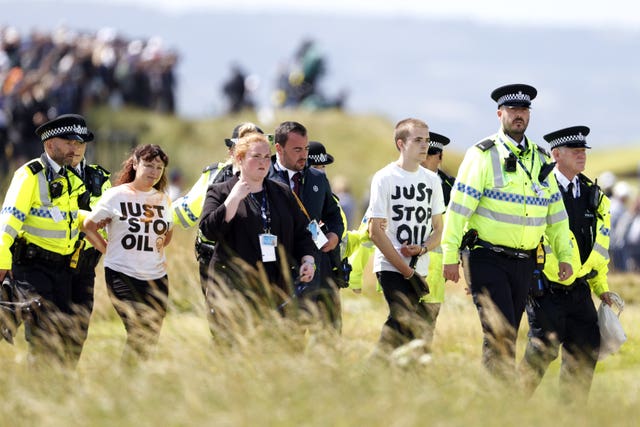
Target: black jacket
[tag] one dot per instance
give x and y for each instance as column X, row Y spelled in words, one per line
column 239, row 237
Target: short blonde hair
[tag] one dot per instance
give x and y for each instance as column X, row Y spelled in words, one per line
column 245, row 143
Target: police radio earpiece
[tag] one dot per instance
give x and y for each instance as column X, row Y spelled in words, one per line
column 510, row 163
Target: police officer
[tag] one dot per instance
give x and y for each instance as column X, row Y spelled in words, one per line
column 432, row 301
column 506, row 204
column 39, row 223
column 563, row 313
column 187, row 209
column 96, row 181
column 314, row 191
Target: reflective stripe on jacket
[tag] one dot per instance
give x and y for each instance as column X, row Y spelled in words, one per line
column 503, row 206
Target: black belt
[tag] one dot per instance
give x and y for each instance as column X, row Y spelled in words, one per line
column 36, row 252
column 554, row 286
column 506, row 251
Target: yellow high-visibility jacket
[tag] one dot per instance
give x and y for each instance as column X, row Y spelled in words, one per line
column 29, row 210
column 504, row 207
column 188, row 208
column 598, row 261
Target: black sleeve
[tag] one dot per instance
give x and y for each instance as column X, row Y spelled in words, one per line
column 212, row 223
column 331, row 211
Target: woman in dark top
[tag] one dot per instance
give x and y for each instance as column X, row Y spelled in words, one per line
column 258, row 221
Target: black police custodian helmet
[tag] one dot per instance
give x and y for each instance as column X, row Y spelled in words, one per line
column 66, row 126
column 574, row 137
column 515, row 95
column 229, row 142
column 318, row 154
column 437, row 142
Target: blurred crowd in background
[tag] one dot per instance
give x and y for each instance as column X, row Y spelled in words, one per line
column 624, row 247
column 43, row 75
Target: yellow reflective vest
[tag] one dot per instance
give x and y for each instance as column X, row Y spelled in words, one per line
column 597, row 263
column 507, row 208
column 32, row 211
column 188, row 208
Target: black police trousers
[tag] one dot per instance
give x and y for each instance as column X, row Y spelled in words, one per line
column 499, row 286
column 51, row 329
column 564, row 317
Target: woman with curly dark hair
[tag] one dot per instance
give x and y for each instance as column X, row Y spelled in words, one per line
column 137, row 215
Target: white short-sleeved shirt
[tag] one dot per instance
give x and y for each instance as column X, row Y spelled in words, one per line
column 407, row 200
column 136, row 233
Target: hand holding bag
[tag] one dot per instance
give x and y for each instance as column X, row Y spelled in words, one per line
column 612, row 335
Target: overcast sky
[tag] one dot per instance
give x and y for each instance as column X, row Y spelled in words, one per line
column 610, row 13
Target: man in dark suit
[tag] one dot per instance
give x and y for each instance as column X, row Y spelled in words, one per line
column 313, row 190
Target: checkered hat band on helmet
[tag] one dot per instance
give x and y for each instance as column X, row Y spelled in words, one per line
column 63, row 130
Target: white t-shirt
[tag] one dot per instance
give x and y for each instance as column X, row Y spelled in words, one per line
column 136, row 233
column 407, row 200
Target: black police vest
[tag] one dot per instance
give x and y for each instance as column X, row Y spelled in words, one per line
column 582, row 220
column 447, row 185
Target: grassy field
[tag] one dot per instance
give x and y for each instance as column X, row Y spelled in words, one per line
column 279, row 376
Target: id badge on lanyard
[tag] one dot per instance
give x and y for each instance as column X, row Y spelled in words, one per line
column 317, row 234
column 268, row 243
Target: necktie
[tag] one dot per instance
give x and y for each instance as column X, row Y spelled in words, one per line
column 570, row 189
column 296, row 178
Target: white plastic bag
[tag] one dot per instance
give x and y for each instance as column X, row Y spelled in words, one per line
column 612, row 335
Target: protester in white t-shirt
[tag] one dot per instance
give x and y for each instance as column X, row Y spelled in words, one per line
column 405, row 223
column 138, row 218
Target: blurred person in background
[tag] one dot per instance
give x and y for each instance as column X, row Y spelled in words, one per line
column 562, row 312
column 257, row 226
column 137, row 214
column 620, row 197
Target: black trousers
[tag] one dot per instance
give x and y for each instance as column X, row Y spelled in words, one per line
column 567, row 318
column 142, row 306
column 408, row 317
column 499, row 286
column 50, row 328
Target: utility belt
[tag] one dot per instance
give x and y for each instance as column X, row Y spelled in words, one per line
column 506, row 251
column 204, row 250
column 559, row 287
column 27, row 253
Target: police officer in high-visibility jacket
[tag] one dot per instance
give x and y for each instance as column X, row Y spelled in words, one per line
column 188, row 208
column 502, row 203
column 96, row 181
column 432, row 301
column 562, row 312
column 39, row 226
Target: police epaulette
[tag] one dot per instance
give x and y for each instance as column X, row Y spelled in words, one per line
column 543, row 151
column 486, row 144
column 35, row 166
column 213, row 166
column 101, row 169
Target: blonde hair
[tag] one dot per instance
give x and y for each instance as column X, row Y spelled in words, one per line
column 245, row 143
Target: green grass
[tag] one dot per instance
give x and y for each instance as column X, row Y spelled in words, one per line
column 280, row 376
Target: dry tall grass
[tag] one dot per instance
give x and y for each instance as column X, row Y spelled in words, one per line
column 277, row 375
